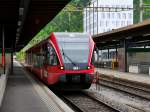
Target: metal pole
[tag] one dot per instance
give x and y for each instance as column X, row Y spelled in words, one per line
column 116, row 53
column 86, row 19
column 108, row 54
column 12, row 60
column 89, row 20
column 141, row 10
column 125, row 47
column 97, row 17
column 3, row 48
column 93, row 18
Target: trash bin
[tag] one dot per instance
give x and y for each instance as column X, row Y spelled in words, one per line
column 114, row 65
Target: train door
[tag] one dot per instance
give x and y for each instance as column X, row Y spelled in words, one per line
column 41, row 62
column 44, row 71
column 50, row 61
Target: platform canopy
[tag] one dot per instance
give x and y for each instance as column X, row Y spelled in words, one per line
column 21, row 20
column 135, row 35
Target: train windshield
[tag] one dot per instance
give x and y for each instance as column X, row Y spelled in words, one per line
column 74, row 47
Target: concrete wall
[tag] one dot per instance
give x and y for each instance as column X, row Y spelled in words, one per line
column 140, row 59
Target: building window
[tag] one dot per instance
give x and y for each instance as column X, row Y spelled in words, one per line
column 129, row 23
column 100, row 5
column 129, row 15
column 116, row 23
column 124, row 15
column 109, row 29
column 123, row 6
column 107, row 23
column 94, row 25
column 103, row 15
column 122, row 23
column 90, row 26
column 129, row 6
column 118, row 15
column 112, row 15
column 101, row 23
column 113, row 23
column 103, row 30
column 117, row 6
column 108, row 15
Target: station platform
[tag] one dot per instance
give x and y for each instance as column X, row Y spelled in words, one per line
column 138, row 78
column 23, row 94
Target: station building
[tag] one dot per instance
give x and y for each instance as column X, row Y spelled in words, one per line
column 105, row 15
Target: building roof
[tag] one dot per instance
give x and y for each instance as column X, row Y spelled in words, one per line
column 137, row 34
column 22, row 19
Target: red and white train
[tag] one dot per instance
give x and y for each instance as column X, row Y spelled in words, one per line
column 63, row 60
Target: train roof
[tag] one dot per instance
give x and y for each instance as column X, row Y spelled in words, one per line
column 71, row 34
column 66, row 37
column 71, row 37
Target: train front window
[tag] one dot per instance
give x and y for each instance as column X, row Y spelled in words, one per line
column 74, row 52
column 74, row 49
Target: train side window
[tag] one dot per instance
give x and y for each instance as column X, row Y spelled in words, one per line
column 45, row 53
column 40, row 60
column 35, row 63
column 52, row 57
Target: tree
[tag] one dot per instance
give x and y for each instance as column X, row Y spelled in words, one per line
column 70, row 19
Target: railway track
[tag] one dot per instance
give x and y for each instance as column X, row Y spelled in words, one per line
column 82, row 102
column 140, row 90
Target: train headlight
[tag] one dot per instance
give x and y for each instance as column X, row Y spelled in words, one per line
column 75, row 68
column 88, row 67
column 61, row 67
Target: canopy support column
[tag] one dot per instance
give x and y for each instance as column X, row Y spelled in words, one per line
column 3, row 48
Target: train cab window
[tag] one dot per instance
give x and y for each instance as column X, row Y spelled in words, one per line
column 51, row 56
column 93, row 59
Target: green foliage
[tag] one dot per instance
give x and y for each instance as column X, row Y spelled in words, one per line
column 147, row 10
column 146, row 14
column 20, row 55
column 136, row 11
column 70, row 19
column 146, row 1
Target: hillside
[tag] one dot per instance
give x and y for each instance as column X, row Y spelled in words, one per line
column 146, row 14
